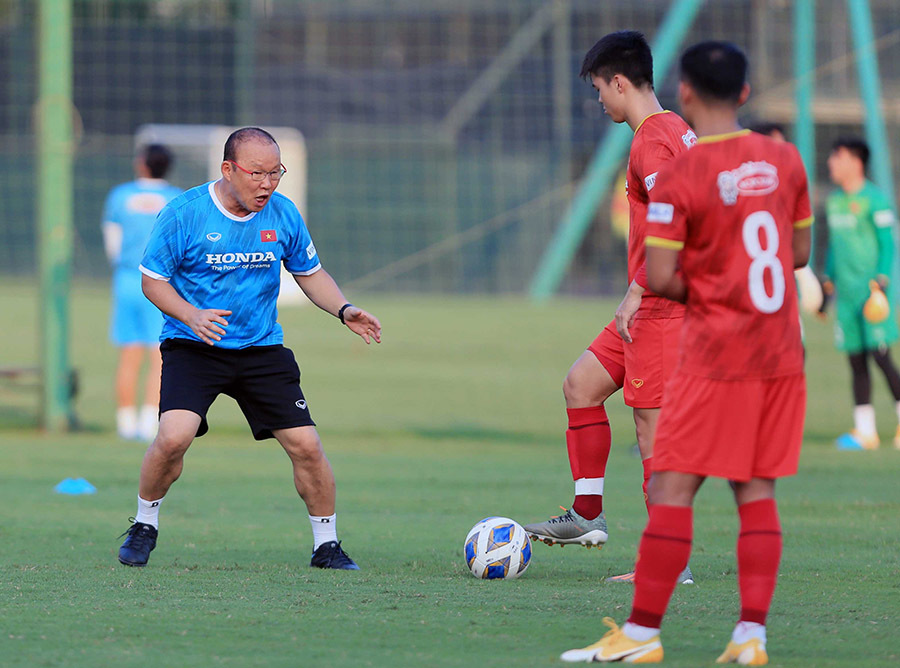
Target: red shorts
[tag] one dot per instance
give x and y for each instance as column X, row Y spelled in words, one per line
column 643, row 366
column 734, row 429
column 650, row 359
column 608, row 348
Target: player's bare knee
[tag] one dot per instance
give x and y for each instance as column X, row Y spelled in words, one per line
column 674, row 488
column 581, row 391
column 645, row 420
column 304, row 448
column 588, row 383
column 755, row 489
column 570, row 388
column 170, row 445
column 172, row 439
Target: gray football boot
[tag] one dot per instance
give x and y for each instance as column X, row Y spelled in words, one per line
column 570, row 527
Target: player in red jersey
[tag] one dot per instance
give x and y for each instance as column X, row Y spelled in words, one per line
column 620, row 67
column 727, row 224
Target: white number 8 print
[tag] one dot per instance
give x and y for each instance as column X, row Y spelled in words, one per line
column 763, row 258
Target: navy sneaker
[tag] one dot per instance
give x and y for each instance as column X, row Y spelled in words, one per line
column 135, row 551
column 331, row 555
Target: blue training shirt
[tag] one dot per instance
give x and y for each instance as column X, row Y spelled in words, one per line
column 133, row 206
column 215, row 259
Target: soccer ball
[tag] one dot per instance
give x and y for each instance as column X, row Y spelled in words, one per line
column 497, row 548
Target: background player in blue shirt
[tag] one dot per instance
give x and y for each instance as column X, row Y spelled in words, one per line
column 128, row 217
column 212, row 266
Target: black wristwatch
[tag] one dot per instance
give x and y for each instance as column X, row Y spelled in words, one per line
column 341, row 312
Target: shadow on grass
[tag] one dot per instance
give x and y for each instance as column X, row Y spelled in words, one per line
column 473, row 432
column 16, row 417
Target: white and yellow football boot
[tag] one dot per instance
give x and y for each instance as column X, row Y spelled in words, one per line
column 616, row 646
column 750, row 653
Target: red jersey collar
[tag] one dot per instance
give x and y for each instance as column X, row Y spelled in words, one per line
column 709, row 139
column 655, row 113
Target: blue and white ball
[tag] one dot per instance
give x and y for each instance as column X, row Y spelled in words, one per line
column 497, row 548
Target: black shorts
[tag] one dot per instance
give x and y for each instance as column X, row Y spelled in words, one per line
column 264, row 380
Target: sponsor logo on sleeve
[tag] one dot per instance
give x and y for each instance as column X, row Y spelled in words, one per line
column 311, row 250
column 650, row 181
column 689, row 138
column 884, row 218
column 660, row 212
column 751, row 179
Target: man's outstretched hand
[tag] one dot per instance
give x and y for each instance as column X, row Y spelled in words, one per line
column 363, row 323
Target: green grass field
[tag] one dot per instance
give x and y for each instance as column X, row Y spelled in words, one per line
column 457, row 415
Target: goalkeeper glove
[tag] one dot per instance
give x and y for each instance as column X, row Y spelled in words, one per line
column 876, row 309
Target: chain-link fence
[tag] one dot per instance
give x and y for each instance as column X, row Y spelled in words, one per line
column 444, row 137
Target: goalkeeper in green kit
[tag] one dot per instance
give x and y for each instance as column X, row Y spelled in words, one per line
column 858, row 271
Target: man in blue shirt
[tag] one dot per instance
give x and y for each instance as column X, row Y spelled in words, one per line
column 128, row 217
column 212, row 267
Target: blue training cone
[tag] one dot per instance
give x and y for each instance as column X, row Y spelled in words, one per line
column 848, row 442
column 75, row 486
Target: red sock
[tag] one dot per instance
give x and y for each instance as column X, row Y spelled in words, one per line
column 647, row 471
column 588, row 439
column 663, row 553
column 758, row 554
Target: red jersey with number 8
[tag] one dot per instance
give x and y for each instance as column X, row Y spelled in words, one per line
column 730, row 205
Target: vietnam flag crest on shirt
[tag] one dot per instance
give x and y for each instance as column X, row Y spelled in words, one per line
column 268, row 235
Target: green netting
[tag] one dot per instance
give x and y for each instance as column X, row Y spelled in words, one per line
column 443, row 136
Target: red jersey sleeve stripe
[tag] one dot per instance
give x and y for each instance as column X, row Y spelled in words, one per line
column 806, row 222
column 659, row 242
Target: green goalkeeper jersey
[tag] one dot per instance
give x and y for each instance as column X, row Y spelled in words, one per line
column 860, row 240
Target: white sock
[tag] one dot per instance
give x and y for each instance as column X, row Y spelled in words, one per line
column 898, row 412
column 745, row 631
column 639, row 633
column 148, row 512
column 127, row 422
column 324, row 529
column 864, row 419
column 589, row 486
column 148, row 423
